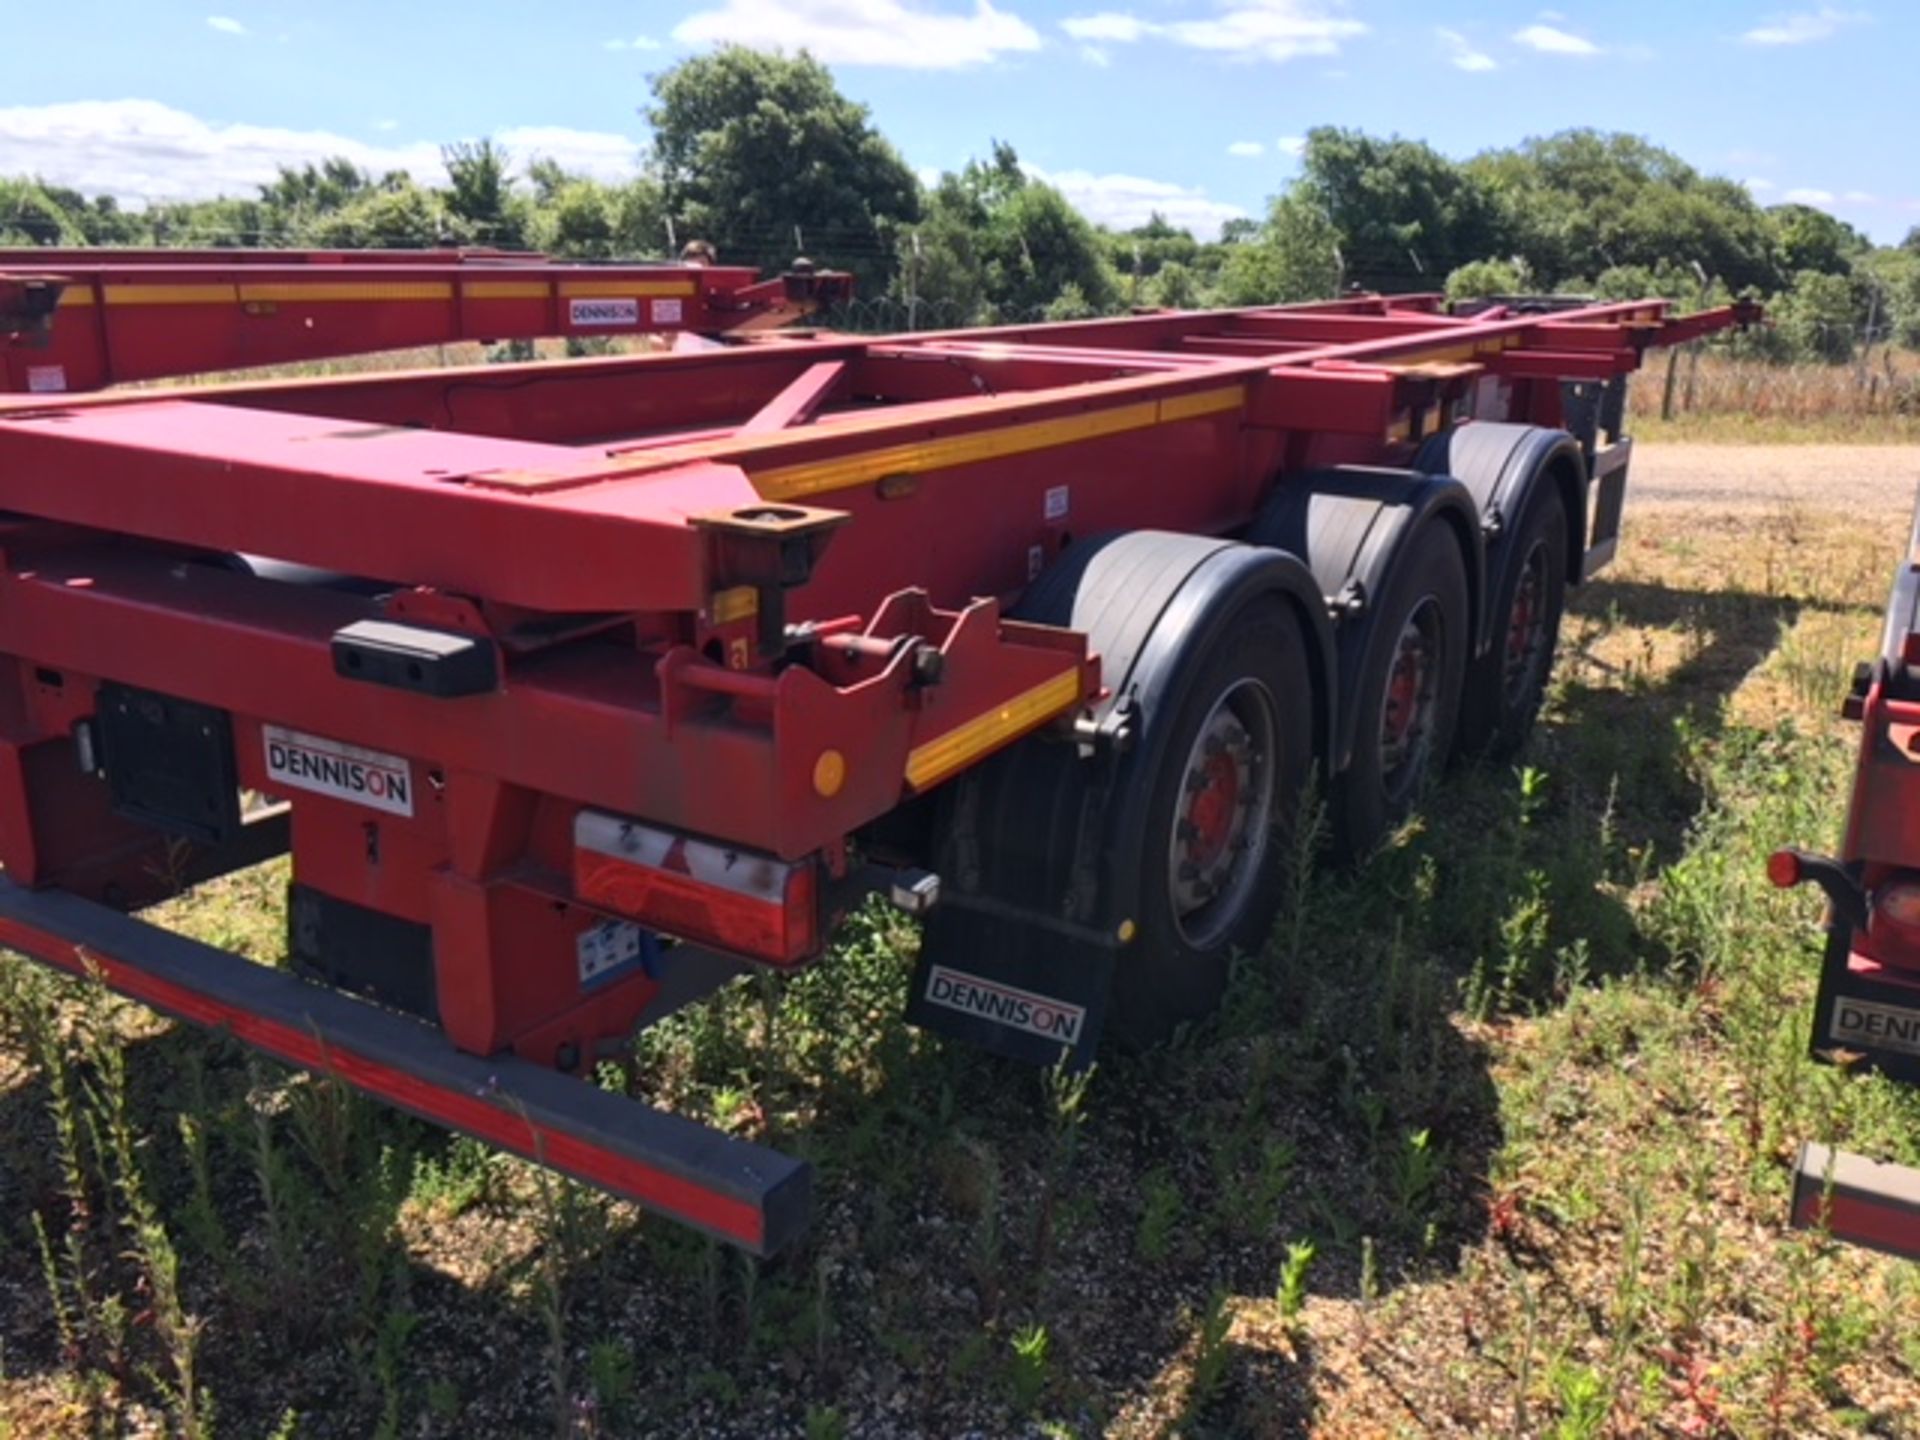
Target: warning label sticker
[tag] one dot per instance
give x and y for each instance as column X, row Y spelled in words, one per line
column 1021, row 1009
column 46, row 379
column 346, row 772
column 608, row 946
column 604, row 312
column 667, row 312
column 1863, row 1025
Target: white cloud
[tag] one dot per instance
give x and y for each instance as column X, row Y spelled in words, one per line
column 226, row 25
column 599, row 154
column 1461, row 54
column 906, row 34
column 1124, row 201
column 142, row 150
column 1759, row 186
column 1095, row 56
column 1294, row 145
column 1277, row 30
column 1861, row 197
column 1804, row 26
column 638, row 42
column 1806, row 196
column 386, row 125
column 1550, row 40
column 1247, row 149
column 1121, row 29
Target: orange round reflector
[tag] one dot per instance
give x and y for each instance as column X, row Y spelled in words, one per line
column 829, row 774
column 1783, row 869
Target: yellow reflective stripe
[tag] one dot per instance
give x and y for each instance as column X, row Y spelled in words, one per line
column 180, row 294
column 1207, row 402
column 507, row 290
column 628, row 289
column 932, row 762
column 76, row 295
column 321, row 290
column 791, row 482
column 170, row 294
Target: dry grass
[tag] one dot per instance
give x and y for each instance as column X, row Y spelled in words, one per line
column 1527, row 1083
column 1717, row 398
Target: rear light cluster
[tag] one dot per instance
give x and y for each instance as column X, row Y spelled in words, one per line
column 1894, row 930
column 735, row 900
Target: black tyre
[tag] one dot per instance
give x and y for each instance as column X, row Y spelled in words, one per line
column 1406, row 694
column 1506, row 685
column 1212, row 662
column 1223, row 781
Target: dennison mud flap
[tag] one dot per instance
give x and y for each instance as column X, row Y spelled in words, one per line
column 1029, row 987
column 1866, row 1014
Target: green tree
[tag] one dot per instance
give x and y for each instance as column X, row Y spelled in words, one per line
column 1176, row 287
column 1812, row 239
column 1405, row 214
column 1296, row 256
column 1137, row 255
column 1584, row 201
column 31, row 216
column 481, row 196
column 1816, row 317
column 396, row 215
column 1478, row 279
column 762, row 155
column 218, row 224
column 995, row 242
column 316, row 189
column 1895, row 274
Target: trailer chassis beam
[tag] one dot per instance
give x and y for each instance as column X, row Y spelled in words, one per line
column 746, row 1194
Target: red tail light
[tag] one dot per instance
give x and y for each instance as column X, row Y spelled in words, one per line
column 735, row 900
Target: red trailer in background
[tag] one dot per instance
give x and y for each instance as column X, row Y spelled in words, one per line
column 579, row 686
column 75, row 320
column 1867, row 1014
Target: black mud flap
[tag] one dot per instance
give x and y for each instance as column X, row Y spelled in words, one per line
column 1012, row 982
column 1873, row 1023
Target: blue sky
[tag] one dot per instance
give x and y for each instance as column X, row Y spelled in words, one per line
column 1193, row 107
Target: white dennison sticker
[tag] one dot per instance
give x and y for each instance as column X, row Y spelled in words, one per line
column 46, row 379
column 606, row 947
column 1863, row 1025
column 604, row 312
column 1017, row 1009
column 1056, row 502
column 667, row 312
column 346, row 772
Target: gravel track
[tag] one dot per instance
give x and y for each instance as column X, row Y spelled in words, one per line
column 1867, row 481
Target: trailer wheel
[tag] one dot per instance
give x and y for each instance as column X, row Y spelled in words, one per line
column 1508, row 682
column 1406, row 695
column 1221, row 792
column 1206, row 645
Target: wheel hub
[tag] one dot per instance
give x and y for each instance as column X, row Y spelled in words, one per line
column 1223, row 813
column 1407, row 711
column 1526, row 625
